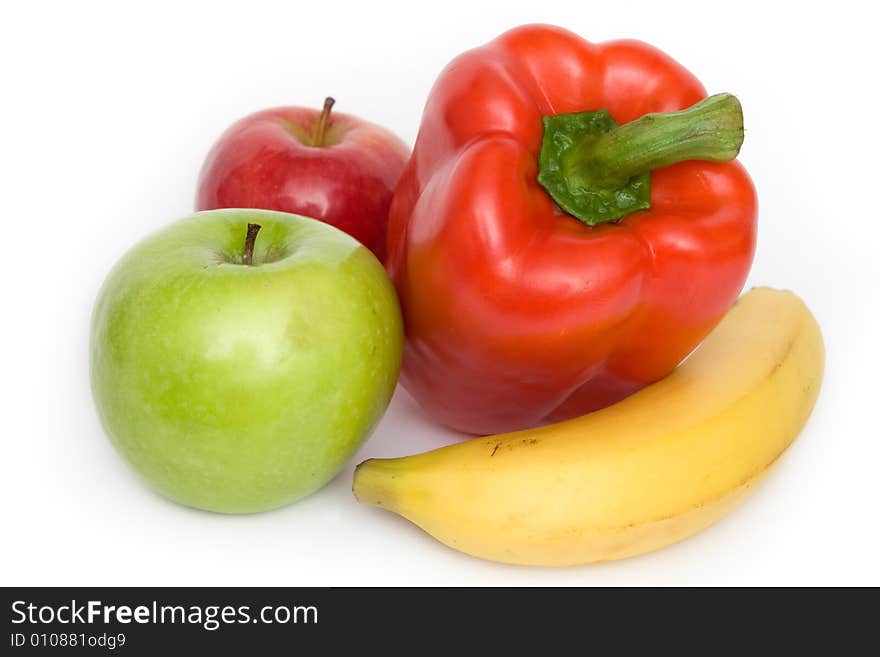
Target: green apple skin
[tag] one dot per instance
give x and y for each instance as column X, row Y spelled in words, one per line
column 240, row 388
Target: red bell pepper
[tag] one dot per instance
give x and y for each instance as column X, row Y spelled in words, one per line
column 563, row 234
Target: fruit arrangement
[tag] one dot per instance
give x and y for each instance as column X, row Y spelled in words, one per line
column 556, row 268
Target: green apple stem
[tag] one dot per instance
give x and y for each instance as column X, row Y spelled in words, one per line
column 323, row 120
column 249, row 240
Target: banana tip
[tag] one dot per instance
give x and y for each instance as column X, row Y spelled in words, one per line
column 368, row 483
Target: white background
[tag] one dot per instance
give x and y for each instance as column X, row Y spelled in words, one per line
column 106, row 115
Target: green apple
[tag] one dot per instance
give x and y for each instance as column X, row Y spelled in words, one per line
column 240, row 357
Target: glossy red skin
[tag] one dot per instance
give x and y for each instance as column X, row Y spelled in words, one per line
column 261, row 162
column 516, row 313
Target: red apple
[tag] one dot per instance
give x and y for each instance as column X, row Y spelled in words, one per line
column 336, row 168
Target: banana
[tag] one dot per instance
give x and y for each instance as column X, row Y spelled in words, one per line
column 651, row 470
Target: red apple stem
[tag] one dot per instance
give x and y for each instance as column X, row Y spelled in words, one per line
column 323, row 121
column 249, row 240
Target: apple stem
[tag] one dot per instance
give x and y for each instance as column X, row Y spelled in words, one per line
column 324, row 119
column 249, row 240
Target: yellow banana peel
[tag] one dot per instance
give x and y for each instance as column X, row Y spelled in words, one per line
column 651, row 470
